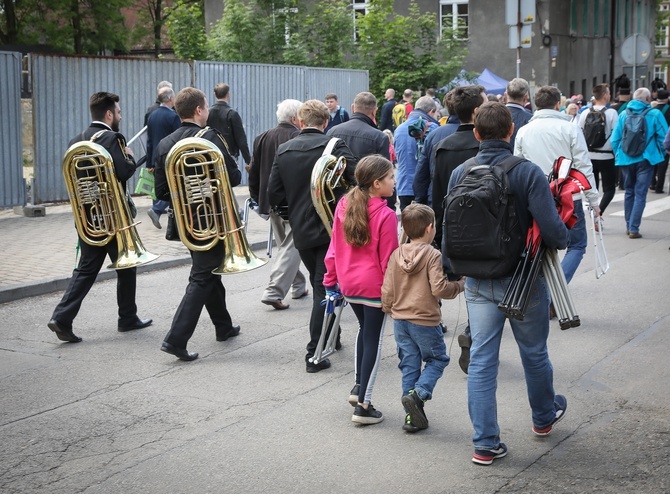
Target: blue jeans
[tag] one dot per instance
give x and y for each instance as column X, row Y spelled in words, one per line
column 418, row 344
column 160, row 206
column 637, row 178
column 486, row 326
column 576, row 244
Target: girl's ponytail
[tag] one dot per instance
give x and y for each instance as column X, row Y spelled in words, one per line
column 356, row 217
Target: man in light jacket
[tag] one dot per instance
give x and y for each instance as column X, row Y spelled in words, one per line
column 546, row 137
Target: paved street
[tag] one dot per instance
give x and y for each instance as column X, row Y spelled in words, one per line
column 114, row 414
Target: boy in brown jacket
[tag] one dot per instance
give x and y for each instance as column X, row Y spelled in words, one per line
column 413, row 284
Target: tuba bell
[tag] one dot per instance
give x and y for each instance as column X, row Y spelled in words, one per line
column 99, row 204
column 327, row 175
column 204, row 205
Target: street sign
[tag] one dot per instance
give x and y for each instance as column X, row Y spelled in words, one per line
column 635, row 49
column 520, row 42
column 512, row 9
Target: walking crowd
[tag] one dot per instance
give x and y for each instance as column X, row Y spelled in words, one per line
column 423, row 154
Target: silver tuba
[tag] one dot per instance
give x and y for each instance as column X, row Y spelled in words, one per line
column 204, row 205
column 327, row 175
column 99, row 204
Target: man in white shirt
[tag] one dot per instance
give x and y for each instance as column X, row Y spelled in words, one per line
column 546, row 137
column 602, row 157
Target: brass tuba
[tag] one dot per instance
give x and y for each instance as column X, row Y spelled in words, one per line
column 326, row 177
column 99, row 204
column 204, row 206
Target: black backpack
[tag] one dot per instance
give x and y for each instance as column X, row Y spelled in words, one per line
column 482, row 237
column 595, row 129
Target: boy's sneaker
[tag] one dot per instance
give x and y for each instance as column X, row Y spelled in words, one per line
column 408, row 426
column 414, row 406
column 353, row 395
column 486, row 456
column 561, row 406
column 367, row 415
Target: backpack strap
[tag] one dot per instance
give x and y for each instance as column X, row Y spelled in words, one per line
column 469, row 165
column 510, row 162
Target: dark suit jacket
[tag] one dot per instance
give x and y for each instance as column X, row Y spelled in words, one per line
column 290, row 184
column 162, row 122
column 262, row 158
column 115, row 143
column 386, row 118
column 450, row 152
column 227, row 121
column 520, row 117
column 362, row 137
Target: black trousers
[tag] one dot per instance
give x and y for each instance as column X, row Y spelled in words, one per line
column 405, row 201
column 313, row 259
column 84, row 275
column 606, row 170
column 658, row 182
column 206, row 290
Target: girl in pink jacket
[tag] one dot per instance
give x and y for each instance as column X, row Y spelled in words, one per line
column 365, row 233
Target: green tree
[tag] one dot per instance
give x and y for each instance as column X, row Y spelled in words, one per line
column 71, row 26
column 238, row 35
column 186, row 29
column 323, row 37
column 296, row 32
column 148, row 31
column 405, row 51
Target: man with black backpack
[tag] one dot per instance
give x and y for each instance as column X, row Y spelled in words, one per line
column 525, row 197
column 598, row 123
column 638, row 147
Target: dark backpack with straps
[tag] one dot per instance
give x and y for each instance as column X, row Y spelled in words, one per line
column 482, row 237
column 595, row 129
column 634, row 135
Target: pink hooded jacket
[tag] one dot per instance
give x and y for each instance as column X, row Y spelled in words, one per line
column 360, row 270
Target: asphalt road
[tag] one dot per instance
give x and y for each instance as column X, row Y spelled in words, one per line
column 113, row 414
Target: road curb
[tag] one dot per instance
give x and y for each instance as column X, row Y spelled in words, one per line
column 44, row 287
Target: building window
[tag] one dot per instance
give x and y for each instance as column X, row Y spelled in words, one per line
column 662, row 37
column 359, row 9
column 454, row 16
column 659, row 72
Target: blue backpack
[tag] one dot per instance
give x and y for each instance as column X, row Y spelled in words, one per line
column 634, row 135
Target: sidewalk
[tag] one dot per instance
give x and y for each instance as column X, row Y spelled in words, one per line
column 39, row 254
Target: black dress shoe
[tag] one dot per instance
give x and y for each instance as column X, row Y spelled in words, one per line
column 62, row 333
column 180, row 353
column 138, row 324
column 234, row 331
column 312, row 368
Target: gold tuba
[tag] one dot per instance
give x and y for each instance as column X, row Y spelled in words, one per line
column 204, row 205
column 326, row 177
column 99, row 204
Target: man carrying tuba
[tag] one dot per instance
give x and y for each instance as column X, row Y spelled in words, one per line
column 106, row 115
column 289, row 185
column 204, row 288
